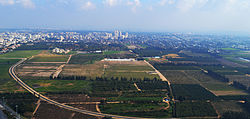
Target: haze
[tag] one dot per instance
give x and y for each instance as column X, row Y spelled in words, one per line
column 130, row 15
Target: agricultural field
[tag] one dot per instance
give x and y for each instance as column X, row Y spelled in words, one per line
column 228, row 106
column 138, row 110
column 6, row 82
column 191, row 92
column 236, row 56
column 81, row 101
column 195, row 109
column 37, row 70
column 130, row 102
column 215, row 86
column 111, row 69
column 20, row 54
column 42, row 66
column 85, row 58
column 45, row 56
column 178, row 77
column 60, row 85
column 131, row 69
column 243, row 79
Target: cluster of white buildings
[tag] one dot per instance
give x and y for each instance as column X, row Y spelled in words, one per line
column 60, row 51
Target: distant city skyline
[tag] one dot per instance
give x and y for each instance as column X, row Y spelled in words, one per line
column 128, row 15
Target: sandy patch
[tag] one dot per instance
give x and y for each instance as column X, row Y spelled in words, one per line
column 45, row 84
column 221, row 93
column 70, row 84
column 171, row 56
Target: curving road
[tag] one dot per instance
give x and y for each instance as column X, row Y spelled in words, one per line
column 46, row 99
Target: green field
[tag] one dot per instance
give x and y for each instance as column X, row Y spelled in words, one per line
column 59, row 85
column 50, row 58
column 112, row 52
column 20, row 54
column 129, row 75
column 4, row 71
column 10, row 86
column 150, row 110
column 6, row 82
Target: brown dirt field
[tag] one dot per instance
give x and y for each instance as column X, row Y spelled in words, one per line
column 221, row 93
column 172, row 56
column 39, row 67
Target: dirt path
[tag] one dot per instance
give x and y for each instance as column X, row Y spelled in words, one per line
column 68, row 59
column 137, row 87
column 38, row 104
column 59, row 69
column 163, row 78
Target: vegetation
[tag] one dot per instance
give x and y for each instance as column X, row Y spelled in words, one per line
column 194, row 109
column 49, row 58
column 191, row 92
column 20, row 54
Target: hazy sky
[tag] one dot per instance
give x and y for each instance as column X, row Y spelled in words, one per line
column 131, row 15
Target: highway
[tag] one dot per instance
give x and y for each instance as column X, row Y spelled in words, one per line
column 46, row 99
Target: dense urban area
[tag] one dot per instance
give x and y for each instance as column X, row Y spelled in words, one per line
column 46, row 74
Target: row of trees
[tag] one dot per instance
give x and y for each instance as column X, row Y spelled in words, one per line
column 103, row 78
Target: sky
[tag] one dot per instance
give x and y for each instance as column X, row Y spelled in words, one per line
column 127, row 15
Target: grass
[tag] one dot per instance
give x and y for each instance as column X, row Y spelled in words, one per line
column 50, row 58
column 230, row 49
column 4, row 71
column 7, row 84
column 8, row 61
column 20, row 54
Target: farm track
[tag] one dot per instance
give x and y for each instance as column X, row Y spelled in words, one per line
column 163, row 78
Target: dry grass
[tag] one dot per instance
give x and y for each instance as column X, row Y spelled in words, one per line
column 171, row 56
column 137, row 63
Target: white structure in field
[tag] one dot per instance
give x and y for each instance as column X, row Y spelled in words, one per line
column 121, row 60
column 58, row 50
